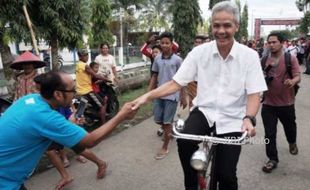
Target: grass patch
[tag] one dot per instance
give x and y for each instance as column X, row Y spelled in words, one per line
column 143, row 113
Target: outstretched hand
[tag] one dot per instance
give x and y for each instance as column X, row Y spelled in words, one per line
column 127, row 112
column 138, row 102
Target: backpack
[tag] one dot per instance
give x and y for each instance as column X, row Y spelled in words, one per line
column 288, row 64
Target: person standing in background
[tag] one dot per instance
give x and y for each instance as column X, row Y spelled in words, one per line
column 28, row 63
column 107, row 64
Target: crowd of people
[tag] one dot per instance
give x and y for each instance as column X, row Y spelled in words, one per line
column 223, row 82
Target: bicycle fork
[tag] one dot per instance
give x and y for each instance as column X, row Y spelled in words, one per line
column 201, row 161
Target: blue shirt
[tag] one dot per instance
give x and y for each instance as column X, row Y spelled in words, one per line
column 166, row 69
column 26, row 130
column 64, row 111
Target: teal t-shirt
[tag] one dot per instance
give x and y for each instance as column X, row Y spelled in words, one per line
column 26, row 130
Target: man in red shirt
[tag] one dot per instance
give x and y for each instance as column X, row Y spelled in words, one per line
column 279, row 100
column 153, row 42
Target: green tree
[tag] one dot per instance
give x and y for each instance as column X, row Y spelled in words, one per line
column 100, row 20
column 61, row 23
column 12, row 28
column 128, row 6
column 213, row 2
column 244, row 23
column 186, row 18
column 305, row 23
column 156, row 14
column 238, row 34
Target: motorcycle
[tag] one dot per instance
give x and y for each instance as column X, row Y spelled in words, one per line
column 91, row 112
column 4, row 104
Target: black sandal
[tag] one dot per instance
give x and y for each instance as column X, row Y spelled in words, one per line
column 269, row 166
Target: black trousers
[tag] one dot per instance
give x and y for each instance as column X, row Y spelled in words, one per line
column 270, row 116
column 307, row 71
column 227, row 156
column 300, row 58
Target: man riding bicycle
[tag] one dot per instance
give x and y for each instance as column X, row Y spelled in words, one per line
column 230, row 81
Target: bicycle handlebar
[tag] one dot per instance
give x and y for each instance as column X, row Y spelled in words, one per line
column 205, row 138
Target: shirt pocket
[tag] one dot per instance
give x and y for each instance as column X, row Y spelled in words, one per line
column 235, row 85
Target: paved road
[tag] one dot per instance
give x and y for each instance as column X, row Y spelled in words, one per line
column 132, row 166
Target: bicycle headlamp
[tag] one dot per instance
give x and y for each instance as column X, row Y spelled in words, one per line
column 199, row 160
column 179, row 125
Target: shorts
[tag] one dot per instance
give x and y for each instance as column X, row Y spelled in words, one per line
column 94, row 99
column 164, row 111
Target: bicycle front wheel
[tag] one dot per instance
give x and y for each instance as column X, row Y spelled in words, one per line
column 207, row 178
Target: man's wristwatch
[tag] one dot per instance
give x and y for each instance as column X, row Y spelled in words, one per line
column 251, row 118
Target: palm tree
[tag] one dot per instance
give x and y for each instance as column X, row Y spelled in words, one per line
column 128, row 6
column 156, row 14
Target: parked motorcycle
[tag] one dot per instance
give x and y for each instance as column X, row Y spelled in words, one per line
column 4, row 104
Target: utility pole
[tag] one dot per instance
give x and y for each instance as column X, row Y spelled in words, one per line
column 120, row 51
column 253, row 24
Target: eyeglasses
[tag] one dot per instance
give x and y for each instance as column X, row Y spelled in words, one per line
column 64, row 90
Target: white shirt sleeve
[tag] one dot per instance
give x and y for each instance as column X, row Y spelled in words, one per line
column 188, row 69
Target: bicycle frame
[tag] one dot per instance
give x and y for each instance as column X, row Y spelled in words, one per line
column 202, row 158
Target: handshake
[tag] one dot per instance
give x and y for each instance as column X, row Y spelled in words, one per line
column 129, row 109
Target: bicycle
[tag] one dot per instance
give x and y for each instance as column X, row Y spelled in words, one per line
column 202, row 158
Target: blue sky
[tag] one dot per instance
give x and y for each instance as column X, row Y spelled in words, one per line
column 263, row 9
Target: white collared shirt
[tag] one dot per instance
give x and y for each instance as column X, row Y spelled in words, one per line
column 223, row 85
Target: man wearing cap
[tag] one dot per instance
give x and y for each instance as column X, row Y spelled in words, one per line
column 84, row 87
column 28, row 63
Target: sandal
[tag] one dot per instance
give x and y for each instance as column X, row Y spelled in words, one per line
column 81, row 159
column 66, row 163
column 293, row 149
column 161, row 155
column 269, row 166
